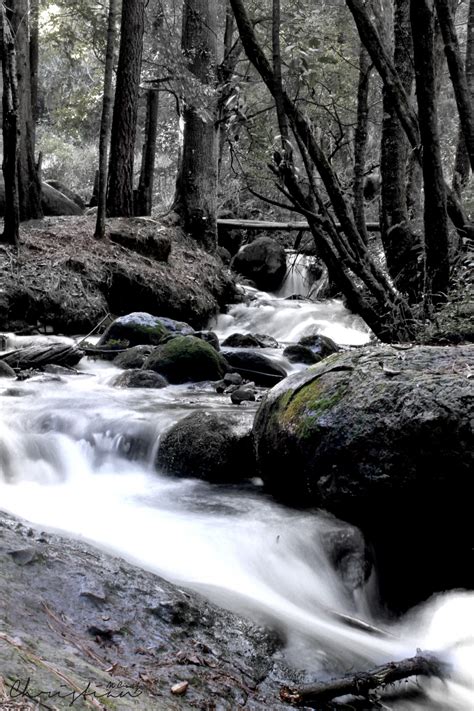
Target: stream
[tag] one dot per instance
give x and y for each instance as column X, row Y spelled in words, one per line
column 68, row 463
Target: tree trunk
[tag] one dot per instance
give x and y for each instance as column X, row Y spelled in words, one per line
column 196, row 184
column 402, row 247
column 401, row 102
column 29, row 186
column 435, row 208
column 124, row 122
column 462, row 164
column 144, row 201
column 34, row 61
column 458, row 75
column 107, row 102
column 360, row 140
column 10, row 131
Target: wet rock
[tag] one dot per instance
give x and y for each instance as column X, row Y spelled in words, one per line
column 136, row 329
column 187, row 359
column 133, row 357
column 6, row 371
column 301, row 354
column 244, row 394
column 256, row 366
column 241, row 340
column 136, row 378
column 263, row 261
column 233, row 379
column 24, row 556
column 230, row 240
column 266, row 341
column 215, row 448
column 383, row 439
column 210, row 337
column 321, row 346
column 224, row 254
column 349, row 554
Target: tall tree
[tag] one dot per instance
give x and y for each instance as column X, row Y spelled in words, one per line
column 144, row 195
column 360, row 139
column 124, row 122
column 29, row 186
column 196, row 184
column 10, row 130
column 435, row 208
column 462, row 164
column 107, row 102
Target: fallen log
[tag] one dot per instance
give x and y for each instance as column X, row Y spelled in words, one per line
column 268, row 226
column 361, row 684
column 38, row 356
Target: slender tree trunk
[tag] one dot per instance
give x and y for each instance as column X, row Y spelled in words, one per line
column 435, row 209
column 10, row 131
column 458, row 75
column 402, row 246
column 29, row 186
column 107, row 102
column 124, row 122
column 401, row 101
column 144, row 201
column 34, row 61
column 462, row 164
column 360, row 140
column 196, row 184
column 224, row 73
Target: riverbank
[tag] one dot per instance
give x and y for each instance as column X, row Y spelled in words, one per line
column 62, row 280
column 105, row 634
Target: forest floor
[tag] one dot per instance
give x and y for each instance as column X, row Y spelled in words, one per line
column 63, row 280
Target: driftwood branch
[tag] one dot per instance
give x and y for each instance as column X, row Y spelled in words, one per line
column 361, row 684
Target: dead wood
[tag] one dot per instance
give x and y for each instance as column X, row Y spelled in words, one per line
column 362, row 683
column 37, row 356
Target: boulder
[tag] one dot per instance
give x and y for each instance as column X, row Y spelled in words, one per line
column 255, row 366
column 382, row 438
column 216, row 448
column 263, row 261
column 187, row 359
column 322, row 346
column 6, row 371
column 297, row 353
column 242, row 394
column 144, row 236
column 348, row 553
column 53, row 202
column 230, row 240
column 57, row 185
column 138, row 328
column 241, row 340
column 210, row 337
column 137, row 378
column 133, row 357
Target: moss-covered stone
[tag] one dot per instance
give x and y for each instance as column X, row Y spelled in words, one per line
column 136, row 329
column 187, row 359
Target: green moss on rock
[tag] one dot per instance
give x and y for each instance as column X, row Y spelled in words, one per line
column 187, row 359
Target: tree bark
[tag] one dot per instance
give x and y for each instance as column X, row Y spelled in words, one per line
column 144, row 201
column 458, row 75
column 402, row 247
column 435, row 207
column 462, row 164
column 34, row 61
column 196, row 184
column 29, row 186
column 360, row 140
column 124, row 122
column 10, row 131
column 107, row 102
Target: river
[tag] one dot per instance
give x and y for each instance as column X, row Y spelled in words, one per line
column 68, row 463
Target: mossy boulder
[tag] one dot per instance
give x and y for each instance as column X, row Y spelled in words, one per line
column 301, row 354
column 203, row 445
column 187, row 359
column 381, row 438
column 133, row 357
column 138, row 328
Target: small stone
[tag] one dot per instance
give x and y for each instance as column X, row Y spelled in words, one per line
column 180, row 688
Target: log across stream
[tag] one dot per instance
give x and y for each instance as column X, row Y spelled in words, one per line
column 66, row 465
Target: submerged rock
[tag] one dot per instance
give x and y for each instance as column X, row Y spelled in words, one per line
column 382, row 438
column 187, row 359
column 137, row 378
column 216, row 448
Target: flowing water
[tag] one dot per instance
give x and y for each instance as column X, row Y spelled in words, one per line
column 76, row 455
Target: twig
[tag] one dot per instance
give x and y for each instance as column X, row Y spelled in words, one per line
column 94, row 329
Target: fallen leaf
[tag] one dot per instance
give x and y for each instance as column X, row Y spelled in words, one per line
column 180, row 688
